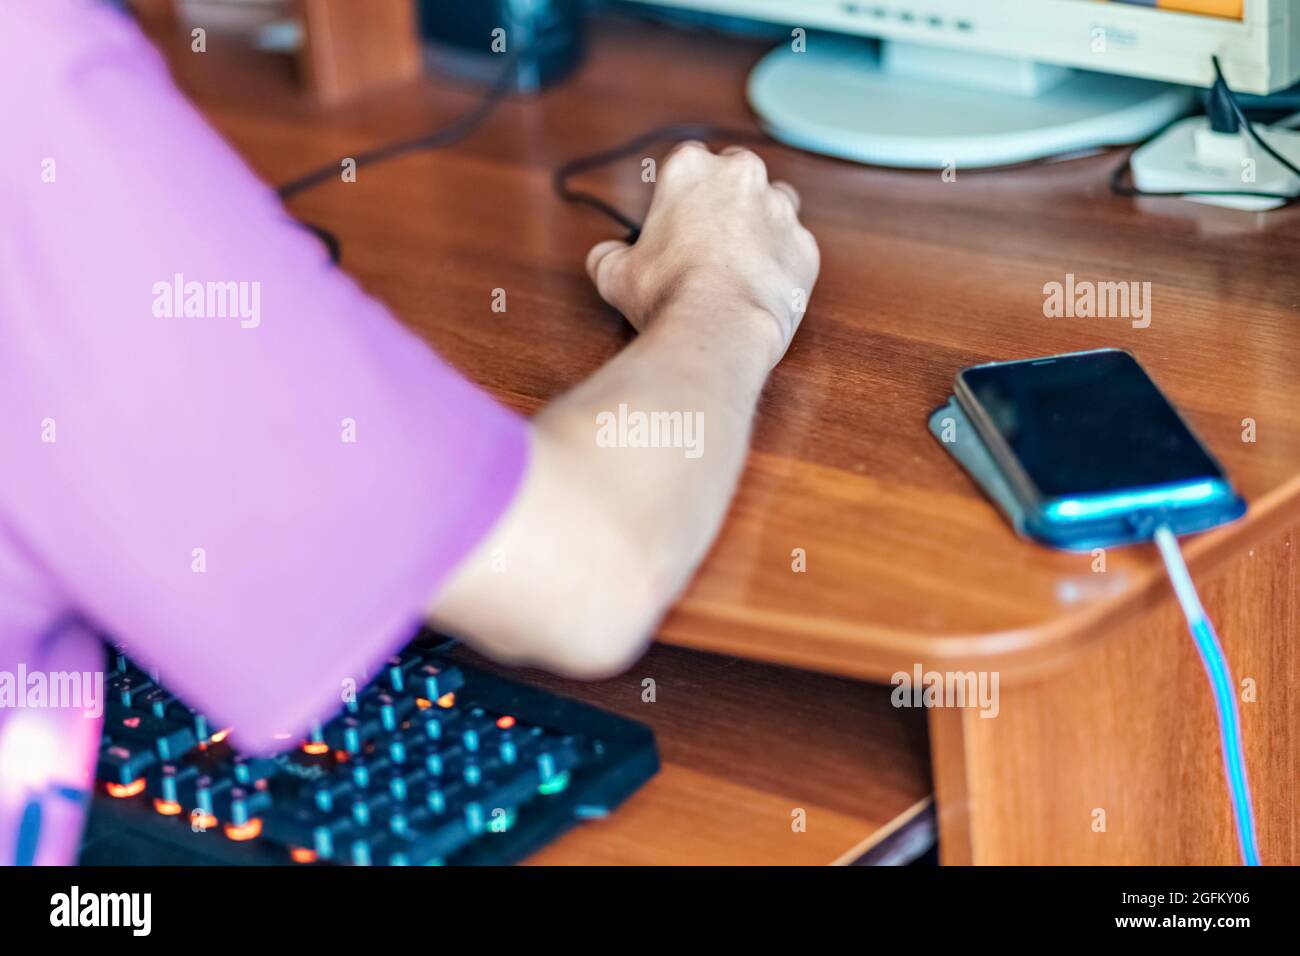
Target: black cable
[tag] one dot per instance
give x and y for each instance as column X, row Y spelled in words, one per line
column 324, row 235
column 448, row 135
column 1219, row 107
column 671, row 132
column 1228, row 98
column 1250, row 127
column 461, row 127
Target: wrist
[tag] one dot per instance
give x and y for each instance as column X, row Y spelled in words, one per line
column 727, row 328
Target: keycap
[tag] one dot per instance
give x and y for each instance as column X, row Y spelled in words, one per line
column 435, row 681
column 122, row 763
column 388, row 710
column 208, row 790
column 239, row 805
column 169, row 739
column 125, row 687
column 175, row 783
column 398, row 670
column 249, row 770
column 155, row 700
column 343, row 733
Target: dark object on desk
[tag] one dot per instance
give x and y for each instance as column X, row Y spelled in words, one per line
column 1087, row 451
column 443, row 136
column 469, row 39
column 433, row 762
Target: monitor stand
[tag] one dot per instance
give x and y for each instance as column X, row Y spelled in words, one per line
column 900, row 104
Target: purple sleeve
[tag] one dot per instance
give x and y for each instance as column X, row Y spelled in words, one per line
column 216, row 447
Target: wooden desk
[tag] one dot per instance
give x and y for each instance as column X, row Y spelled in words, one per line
column 1103, row 704
column 760, row 765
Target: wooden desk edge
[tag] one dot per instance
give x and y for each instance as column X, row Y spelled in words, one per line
column 875, row 653
column 913, row 815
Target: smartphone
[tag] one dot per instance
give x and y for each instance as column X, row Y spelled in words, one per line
column 1093, row 451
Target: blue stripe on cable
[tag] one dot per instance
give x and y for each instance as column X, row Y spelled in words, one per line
column 1225, row 697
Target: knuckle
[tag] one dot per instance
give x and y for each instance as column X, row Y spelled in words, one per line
column 685, row 154
column 782, row 201
column 748, row 161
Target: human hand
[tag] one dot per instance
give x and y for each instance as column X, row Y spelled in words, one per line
column 721, row 248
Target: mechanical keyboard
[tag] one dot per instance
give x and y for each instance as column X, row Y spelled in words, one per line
column 434, row 762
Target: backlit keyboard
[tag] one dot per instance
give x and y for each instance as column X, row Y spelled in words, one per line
column 433, row 762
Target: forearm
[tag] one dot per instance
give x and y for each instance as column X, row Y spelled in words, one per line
column 704, row 380
column 603, row 537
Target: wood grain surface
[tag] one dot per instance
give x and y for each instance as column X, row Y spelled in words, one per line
column 905, row 560
column 1116, row 760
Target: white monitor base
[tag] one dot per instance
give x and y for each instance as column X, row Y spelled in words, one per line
column 1189, row 156
column 835, row 98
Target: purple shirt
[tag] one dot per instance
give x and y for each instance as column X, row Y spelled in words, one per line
column 214, row 447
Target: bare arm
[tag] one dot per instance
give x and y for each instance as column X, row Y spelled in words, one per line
column 600, row 540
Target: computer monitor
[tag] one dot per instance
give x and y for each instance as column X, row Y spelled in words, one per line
column 957, row 82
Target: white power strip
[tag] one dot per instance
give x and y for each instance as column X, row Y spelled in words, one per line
column 1190, row 157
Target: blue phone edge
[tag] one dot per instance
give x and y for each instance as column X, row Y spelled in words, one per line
column 1110, row 520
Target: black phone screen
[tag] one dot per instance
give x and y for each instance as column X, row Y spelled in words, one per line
column 1088, row 424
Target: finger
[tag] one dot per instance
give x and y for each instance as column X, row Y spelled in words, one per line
column 598, row 254
column 686, row 145
column 687, row 160
column 793, row 194
column 600, row 261
column 750, row 162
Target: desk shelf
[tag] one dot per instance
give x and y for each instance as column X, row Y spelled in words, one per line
column 744, row 746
